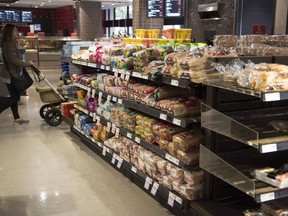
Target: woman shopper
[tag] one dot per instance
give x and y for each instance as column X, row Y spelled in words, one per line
column 14, row 64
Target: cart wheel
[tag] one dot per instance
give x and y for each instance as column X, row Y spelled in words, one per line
column 53, row 117
column 43, row 110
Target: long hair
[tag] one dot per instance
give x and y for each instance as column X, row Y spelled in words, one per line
column 7, row 33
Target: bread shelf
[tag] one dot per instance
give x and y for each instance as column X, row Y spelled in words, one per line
column 148, row 184
column 182, row 122
column 137, row 139
column 250, row 127
column 265, row 96
column 166, row 80
column 218, row 167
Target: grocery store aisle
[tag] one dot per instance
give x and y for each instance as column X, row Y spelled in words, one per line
column 48, row 171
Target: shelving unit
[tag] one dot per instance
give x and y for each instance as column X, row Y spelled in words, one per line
column 237, row 127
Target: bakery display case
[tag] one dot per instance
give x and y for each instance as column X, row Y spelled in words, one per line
column 45, row 52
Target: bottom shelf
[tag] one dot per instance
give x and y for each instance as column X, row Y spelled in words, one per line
column 173, row 202
column 164, row 196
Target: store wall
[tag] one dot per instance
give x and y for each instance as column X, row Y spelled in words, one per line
column 223, row 26
column 140, row 19
column 257, row 12
column 281, row 17
column 89, row 20
column 63, row 18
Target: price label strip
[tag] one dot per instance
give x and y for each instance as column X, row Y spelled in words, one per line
column 120, row 101
column 93, row 93
column 134, row 169
column 163, row 116
column 102, row 67
column 104, row 151
column 269, row 148
column 127, row 77
column 172, row 159
column 129, row 135
column 174, row 82
column 109, row 98
column 154, row 188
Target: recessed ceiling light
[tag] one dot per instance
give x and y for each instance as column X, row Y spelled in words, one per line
column 49, row 1
column 7, row 5
column 36, row 6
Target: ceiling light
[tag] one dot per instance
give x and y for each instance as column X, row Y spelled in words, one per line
column 49, row 1
column 36, row 6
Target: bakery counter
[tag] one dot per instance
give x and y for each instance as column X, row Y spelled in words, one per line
column 49, row 60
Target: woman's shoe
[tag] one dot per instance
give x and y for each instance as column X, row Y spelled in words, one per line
column 21, row 121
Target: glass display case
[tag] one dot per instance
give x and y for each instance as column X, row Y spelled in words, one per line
column 45, row 52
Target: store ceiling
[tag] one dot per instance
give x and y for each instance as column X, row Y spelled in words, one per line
column 55, row 3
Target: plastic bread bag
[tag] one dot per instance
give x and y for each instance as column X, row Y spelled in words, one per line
column 254, row 213
column 231, row 71
column 163, row 144
column 167, row 181
column 165, row 92
column 165, row 131
column 191, row 192
column 193, row 177
column 171, row 71
column 132, row 48
column 225, row 40
column 162, row 166
column 176, row 186
column 188, row 157
column 177, row 174
column 188, row 140
column 154, row 67
column 173, row 58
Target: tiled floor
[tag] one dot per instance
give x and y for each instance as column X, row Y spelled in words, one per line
column 47, row 171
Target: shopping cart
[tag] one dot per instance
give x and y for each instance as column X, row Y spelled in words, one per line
column 51, row 96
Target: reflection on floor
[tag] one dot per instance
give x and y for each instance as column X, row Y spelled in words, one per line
column 48, row 171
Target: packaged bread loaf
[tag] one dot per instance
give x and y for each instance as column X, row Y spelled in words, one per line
column 188, row 140
column 162, row 166
column 188, row 157
column 225, row 40
column 167, row 182
column 165, row 92
column 193, row 177
column 191, row 192
column 165, row 131
column 163, row 144
column 177, row 174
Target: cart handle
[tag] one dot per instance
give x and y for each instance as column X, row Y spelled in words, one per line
column 37, row 74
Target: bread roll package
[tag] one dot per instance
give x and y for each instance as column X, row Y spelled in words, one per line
column 167, row 182
column 193, row 177
column 188, row 157
column 162, row 166
column 191, row 192
column 177, row 174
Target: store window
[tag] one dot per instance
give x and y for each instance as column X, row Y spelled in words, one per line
column 121, row 13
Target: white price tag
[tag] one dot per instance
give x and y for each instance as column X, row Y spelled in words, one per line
column 174, row 82
column 108, row 126
column 97, row 119
column 120, row 101
column 137, row 140
column 267, row 197
column 107, row 67
column 114, row 99
column 117, row 133
column 91, row 114
column 120, row 161
column 114, row 69
column 84, row 63
column 163, row 116
column 89, row 91
column 177, row 121
column 113, row 130
column 100, row 94
column 171, row 199
column 104, row 151
column 122, row 75
column 102, row 67
column 172, row 159
column 113, row 159
column 93, row 93
column 93, row 140
column 127, row 77
column 154, row 188
column 129, row 135
column 134, row 169
column 148, row 182
column 269, row 148
column 99, row 144
column 109, row 97
column 275, row 96
column 136, row 74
